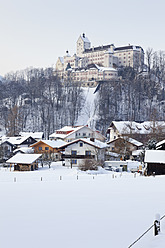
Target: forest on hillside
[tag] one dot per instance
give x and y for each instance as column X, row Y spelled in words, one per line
column 36, row 100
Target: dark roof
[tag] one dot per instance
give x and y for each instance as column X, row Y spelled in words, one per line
column 127, row 47
column 99, row 48
column 106, row 47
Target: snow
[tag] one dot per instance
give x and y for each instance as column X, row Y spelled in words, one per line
column 101, row 68
column 160, row 143
column 85, row 39
column 15, row 140
column 94, row 211
column 52, row 143
column 135, row 142
column 24, row 150
column 154, row 156
column 23, row 158
column 141, row 128
column 34, row 135
column 88, row 114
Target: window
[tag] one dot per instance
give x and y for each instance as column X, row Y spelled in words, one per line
column 81, row 144
column 74, row 161
column 74, row 152
column 88, row 153
column 46, row 148
column 84, row 134
column 40, row 148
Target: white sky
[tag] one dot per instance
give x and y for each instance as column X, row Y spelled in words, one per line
column 36, row 32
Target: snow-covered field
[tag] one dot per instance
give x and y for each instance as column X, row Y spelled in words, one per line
column 62, row 207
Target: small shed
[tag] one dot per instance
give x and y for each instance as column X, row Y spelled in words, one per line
column 155, row 162
column 24, row 162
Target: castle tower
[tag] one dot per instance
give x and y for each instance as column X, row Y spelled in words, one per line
column 82, row 44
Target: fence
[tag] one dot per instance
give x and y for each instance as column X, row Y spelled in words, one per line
column 144, row 233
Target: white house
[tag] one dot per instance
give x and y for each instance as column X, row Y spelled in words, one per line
column 69, row 133
column 132, row 128
column 80, row 149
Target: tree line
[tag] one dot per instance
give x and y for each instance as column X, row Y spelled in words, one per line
column 36, row 100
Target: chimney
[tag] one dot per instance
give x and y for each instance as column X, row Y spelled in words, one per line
column 92, row 139
column 83, row 35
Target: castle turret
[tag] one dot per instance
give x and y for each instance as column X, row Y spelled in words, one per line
column 82, row 44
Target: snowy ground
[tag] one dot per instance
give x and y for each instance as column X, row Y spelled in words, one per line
column 91, row 211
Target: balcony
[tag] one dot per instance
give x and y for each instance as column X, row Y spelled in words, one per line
column 78, row 156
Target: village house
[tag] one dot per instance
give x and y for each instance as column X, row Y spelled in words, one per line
column 78, row 150
column 6, row 150
column 69, row 133
column 49, row 149
column 24, row 162
column 35, row 135
column 9, row 144
column 135, row 130
column 19, row 141
column 154, row 162
column 124, row 146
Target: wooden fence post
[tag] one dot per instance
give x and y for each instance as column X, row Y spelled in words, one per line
column 157, row 224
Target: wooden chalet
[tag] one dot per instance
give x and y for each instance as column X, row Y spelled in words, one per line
column 24, row 162
column 49, row 148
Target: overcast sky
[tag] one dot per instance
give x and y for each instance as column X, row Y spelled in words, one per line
column 36, row 32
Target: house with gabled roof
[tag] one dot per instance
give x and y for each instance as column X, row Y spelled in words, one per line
column 78, row 150
column 49, row 148
column 124, row 146
column 19, row 141
column 69, row 133
column 34, row 135
column 134, row 129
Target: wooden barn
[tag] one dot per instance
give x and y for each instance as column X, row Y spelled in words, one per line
column 155, row 162
column 24, row 162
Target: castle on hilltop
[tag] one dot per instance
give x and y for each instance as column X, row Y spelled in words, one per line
column 91, row 64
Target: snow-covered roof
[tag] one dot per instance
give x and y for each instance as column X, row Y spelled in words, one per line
column 135, row 142
column 95, row 143
column 24, row 150
column 154, row 156
column 66, row 129
column 85, row 39
column 137, row 152
column 160, row 143
column 135, row 127
column 130, row 140
column 23, row 158
column 51, row 143
column 16, row 140
column 34, row 135
column 101, row 68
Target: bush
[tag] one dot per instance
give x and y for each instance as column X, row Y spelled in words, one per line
column 89, row 164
